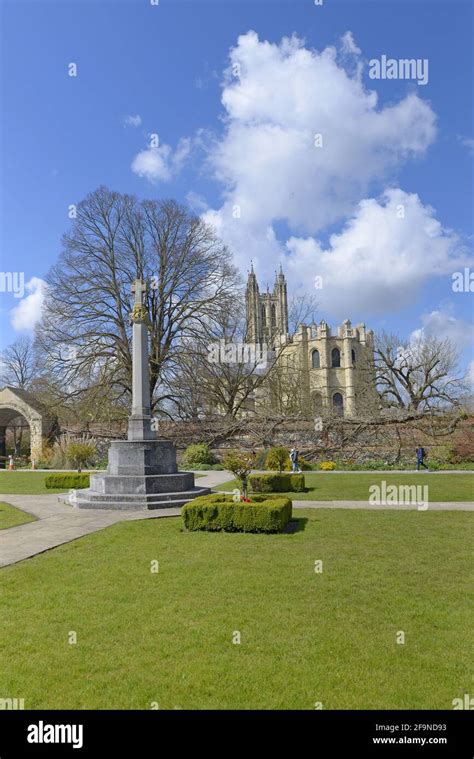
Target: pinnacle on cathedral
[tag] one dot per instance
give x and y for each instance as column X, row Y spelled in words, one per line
column 267, row 314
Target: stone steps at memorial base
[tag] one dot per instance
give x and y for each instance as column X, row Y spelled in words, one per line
column 87, row 499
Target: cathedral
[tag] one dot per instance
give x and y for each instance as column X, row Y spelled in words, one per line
column 329, row 373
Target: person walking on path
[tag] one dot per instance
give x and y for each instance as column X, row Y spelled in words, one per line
column 294, row 453
column 420, row 455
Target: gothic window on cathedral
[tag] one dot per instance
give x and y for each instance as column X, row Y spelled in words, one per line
column 338, row 404
column 315, row 363
column 274, row 315
column 264, row 317
column 335, row 358
column 353, row 357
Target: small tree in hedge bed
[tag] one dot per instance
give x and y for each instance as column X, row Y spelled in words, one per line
column 277, row 458
column 240, row 466
column 79, row 454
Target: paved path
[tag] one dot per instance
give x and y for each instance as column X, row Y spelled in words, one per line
column 214, row 479
column 58, row 523
column 432, row 506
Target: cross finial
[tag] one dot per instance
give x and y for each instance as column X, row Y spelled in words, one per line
column 139, row 291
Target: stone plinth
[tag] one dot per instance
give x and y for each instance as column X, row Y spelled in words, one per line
column 142, row 474
column 143, row 456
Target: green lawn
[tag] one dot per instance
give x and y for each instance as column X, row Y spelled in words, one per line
column 11, row 517
column 19, row 482
column 331, row 486
column 305, row 637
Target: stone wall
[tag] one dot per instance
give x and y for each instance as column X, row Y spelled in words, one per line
column 339, row 440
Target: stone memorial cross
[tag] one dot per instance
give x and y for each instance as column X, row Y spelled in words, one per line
column 139, row 423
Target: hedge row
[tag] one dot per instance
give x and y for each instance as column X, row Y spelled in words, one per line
column 218, row 512
column 277, row 483
column 66, row 481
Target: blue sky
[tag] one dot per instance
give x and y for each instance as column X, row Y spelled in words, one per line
column 63, row 136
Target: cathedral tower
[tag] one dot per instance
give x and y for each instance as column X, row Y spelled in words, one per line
column 267, row 314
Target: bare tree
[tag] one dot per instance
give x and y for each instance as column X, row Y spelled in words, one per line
column 218, row 371
column 301, row 310
column 18, row 364
column 84, row 334
column 227, row 384
column 283, row 388
column 417, row 376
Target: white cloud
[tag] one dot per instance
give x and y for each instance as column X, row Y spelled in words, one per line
column 134, row 121
column 284, row 95
column 348, row 45
column 380, row 260
column 28, row 311
column 197, row 202
column 161, row 163
column 443, row 324
column 468, row 143
column 277, row 97
column 281, row 191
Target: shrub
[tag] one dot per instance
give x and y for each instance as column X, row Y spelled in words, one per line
column 303, row 464
column 462, row 449
column 218, row 512
column 79, row 454
column 277, row 458
column 198, row 453
column 64, row 456
column 327, row 466
column 45, row 460
column 277, row 483
column 66, row 481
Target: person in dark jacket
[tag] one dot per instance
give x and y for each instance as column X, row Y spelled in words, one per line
column 420, row 456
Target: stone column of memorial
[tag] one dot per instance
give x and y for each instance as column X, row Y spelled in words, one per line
column 139, row 423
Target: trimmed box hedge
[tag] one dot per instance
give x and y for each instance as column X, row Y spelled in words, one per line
column 277, row 483
column 66, row 481
column 218, row 512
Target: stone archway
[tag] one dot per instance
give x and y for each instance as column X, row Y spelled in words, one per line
column 15, row 402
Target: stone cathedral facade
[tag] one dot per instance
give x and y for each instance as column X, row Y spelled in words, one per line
column 329, row 372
